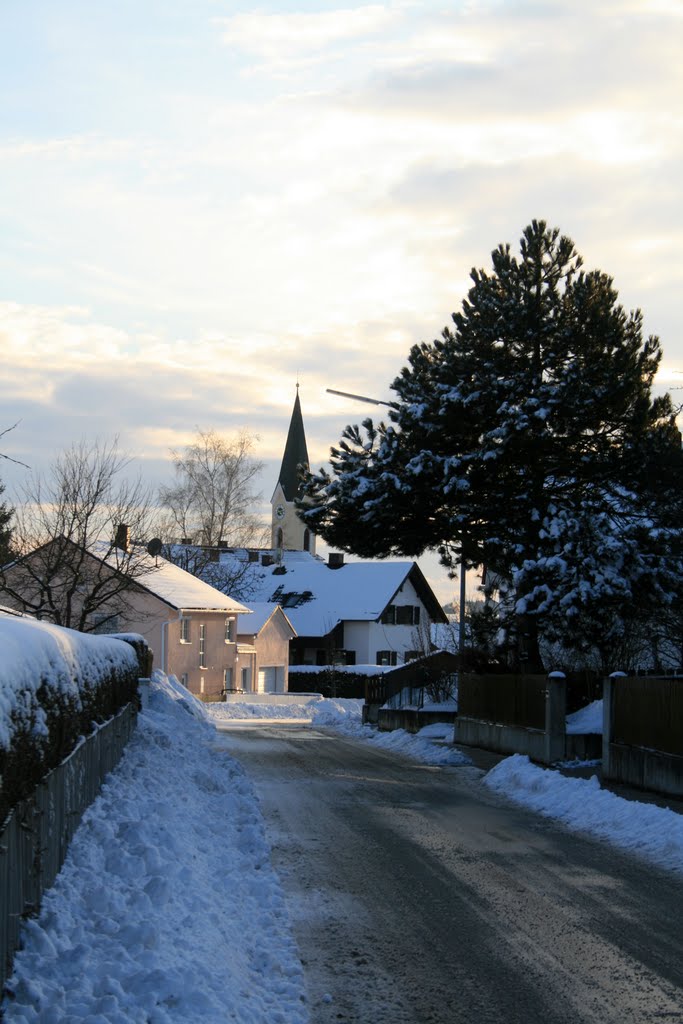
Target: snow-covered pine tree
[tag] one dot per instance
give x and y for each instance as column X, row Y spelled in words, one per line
column 6, row 514
column 527, row 439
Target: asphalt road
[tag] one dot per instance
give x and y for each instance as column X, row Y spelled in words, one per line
column 417, row 895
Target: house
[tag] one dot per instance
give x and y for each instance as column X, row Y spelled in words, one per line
column 350, row 613
column 190, row 626
column 263, row 639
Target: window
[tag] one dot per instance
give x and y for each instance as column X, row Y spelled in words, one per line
column 185, row 631
column 202, row 646
column 307, row 540
column 401, row 615
column 227, row 679
column 229, row 631
column 183, row 679
column 104, row 623
column 386, row 657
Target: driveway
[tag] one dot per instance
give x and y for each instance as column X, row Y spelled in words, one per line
column 419, row 897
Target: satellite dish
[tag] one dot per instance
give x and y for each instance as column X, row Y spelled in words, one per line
column 154, row 547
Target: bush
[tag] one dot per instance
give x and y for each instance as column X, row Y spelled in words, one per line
column 45, row 717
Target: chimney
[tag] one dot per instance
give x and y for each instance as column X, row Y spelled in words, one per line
column 335, row 560
column 267, row 560
column 185, row 540
column 122, row 538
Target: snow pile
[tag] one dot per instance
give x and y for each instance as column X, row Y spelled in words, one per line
column 586, row 720
column 644, row 829
column 36, row 654
column 167, row 908
column 243, row 710
column 345, row 716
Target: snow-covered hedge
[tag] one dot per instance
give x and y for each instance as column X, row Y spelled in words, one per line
column 331, row 681
column 54, row 685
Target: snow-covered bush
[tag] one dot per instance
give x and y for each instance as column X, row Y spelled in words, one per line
column 55, row 684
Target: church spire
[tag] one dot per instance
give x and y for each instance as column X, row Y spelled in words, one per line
column 295, row 455
column 288, row 531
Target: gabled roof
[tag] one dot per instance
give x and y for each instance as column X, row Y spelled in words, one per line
column 176, row 587
column 315, row 597
column 295, row 455
column 262, row 613
column 182, row 590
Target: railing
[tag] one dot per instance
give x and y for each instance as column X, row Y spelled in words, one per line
column 36, row 836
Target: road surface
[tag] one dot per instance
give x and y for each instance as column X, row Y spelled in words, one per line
column 417, row 896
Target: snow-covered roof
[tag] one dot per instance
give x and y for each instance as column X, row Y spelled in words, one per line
column 315, row 597
column 262, row 613
column 182, row 590
column 176, row 587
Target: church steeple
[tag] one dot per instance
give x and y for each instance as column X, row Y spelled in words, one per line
column 288, row 532
column 296, row 453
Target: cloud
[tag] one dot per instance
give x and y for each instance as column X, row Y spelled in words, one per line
column 281, row 42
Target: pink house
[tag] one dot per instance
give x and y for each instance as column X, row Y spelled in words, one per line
column 263, row 649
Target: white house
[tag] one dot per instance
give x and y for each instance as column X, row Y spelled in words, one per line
column 352, row 613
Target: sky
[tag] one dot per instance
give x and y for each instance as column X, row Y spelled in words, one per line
column 203, row 202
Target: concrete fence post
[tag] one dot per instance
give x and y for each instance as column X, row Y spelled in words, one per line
column 143, row 691
column 608, row 720
column 555, row 717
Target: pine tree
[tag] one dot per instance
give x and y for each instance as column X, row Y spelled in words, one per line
column 525, row 439
column 6, row 515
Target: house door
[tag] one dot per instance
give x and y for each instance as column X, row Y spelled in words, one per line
column 267, row 679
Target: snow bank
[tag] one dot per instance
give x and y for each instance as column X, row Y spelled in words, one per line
column 586, row 720
column 345, row 716
column 36, row 654
column 655, row 833
column 167, row 908
column 244, row 709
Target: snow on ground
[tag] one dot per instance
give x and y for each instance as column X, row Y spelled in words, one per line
column 243, row 710
column 655, row 833
column 167, row 908
column 586, row 720
column 343, row 714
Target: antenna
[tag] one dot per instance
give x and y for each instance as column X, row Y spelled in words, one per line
column 357, row 398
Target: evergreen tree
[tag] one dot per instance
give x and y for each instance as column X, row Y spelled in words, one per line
column 525, row 439
column 6, row 514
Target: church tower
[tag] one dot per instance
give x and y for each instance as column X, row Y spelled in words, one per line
column 288, row 533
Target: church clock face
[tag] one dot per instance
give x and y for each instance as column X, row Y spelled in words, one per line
column 280, row 512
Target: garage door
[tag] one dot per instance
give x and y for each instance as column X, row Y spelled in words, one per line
column 267, row 678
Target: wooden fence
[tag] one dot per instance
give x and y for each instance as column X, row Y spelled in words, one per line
column 642, row 743
column 504, row 699
column 37, row 834
column 648, row 712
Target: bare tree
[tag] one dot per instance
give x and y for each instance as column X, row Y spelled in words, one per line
column 212, row 500
column 74, row 565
